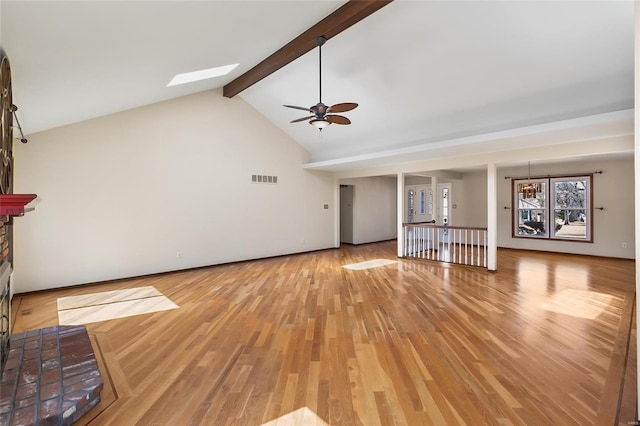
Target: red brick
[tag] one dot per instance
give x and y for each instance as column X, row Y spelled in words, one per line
column 24, row 416
column 17, row 340
column 50, row 364
column 26, row 391
column 6, row 404
column 29, row 371
column 87, row 377
column 83, row 368
column 50, row 409
column 52, row 390
column 31, row 354
column 50, row 332
column 49, row 353
column 49, row 344
column 14, row 359
column 50, row 376
column 62, row 399
column 20, row 403
column 84, row 410
column 32, row 342
column 9, row 376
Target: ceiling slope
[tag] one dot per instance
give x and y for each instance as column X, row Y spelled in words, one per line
column 349, row 14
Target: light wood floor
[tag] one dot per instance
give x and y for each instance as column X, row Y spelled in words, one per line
column 544, row 341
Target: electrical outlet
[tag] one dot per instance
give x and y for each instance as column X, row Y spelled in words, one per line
column 623, row 245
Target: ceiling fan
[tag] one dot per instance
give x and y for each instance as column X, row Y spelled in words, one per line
column 323, row 115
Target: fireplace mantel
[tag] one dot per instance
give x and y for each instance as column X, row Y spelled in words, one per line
column 14, row 204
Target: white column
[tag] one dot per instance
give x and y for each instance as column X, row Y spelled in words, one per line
column 637, row 176
column 336, row 213
column 492, row 217
column 400, row 215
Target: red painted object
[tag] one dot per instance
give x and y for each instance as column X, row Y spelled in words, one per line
column 13, row 204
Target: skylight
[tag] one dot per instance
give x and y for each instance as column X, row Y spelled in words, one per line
column 189, row 77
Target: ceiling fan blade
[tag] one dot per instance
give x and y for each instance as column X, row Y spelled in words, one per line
column 302, row 119
column 297, row 107
column 338, row 119
column 343, row 107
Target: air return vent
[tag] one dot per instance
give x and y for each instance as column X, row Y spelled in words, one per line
column 264, row 179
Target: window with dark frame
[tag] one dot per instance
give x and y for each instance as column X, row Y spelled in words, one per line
column 560, row 208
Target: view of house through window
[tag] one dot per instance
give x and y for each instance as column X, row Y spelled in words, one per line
column 553, row 208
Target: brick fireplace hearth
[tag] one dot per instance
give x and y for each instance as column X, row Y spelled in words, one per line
column 50, row 377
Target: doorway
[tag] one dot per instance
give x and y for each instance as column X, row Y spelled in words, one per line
column 347, row 193
column 443, row 216
column 419, row 204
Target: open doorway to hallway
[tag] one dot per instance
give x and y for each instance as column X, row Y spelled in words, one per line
column 346, row 213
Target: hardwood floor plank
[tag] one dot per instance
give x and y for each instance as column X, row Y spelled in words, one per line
column 545, row 340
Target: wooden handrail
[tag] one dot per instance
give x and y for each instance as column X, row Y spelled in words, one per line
column 419, row 225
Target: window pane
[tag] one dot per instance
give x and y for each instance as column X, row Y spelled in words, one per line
column 571, row 223
column 570, row 194
column 537, row 202
column 445, row 206
column 531, row 222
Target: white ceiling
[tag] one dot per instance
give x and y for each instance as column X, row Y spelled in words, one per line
column 423, row 72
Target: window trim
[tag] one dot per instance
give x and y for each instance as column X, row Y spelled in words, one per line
column 549, row 207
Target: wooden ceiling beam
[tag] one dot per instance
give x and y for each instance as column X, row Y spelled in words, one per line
column 348, row 14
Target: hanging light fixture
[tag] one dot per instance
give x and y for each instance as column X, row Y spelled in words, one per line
column 324, row 115
column 529, row 190
column 319, row 123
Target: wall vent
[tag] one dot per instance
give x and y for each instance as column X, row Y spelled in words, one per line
column 264, row 179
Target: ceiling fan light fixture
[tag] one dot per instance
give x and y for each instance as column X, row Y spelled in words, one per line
column 319, row 123
column 323, row 114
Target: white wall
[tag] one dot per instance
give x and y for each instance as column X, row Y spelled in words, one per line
column 471, row 199
column 416, row 180
column 121, row 195
column 613, row 190
column 374, row 212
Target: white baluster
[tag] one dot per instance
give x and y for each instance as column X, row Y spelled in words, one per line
column 478, row 242
column 471, row 247
column 465, row 246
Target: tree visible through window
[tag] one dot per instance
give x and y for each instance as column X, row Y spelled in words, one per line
column 561, row 208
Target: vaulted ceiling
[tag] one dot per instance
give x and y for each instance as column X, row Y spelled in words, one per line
column 425, row 73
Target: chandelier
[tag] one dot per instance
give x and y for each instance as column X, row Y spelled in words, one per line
column 529, row 190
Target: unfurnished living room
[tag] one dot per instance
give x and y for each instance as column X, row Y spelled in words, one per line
column 318, row 213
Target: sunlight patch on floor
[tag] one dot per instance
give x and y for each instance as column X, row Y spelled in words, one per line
column 95, row 307
column 578, row 303
column 375, row 263
column 300, row 417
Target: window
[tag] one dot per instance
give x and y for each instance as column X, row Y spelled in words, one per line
column 557, row 208
column 445, row 206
